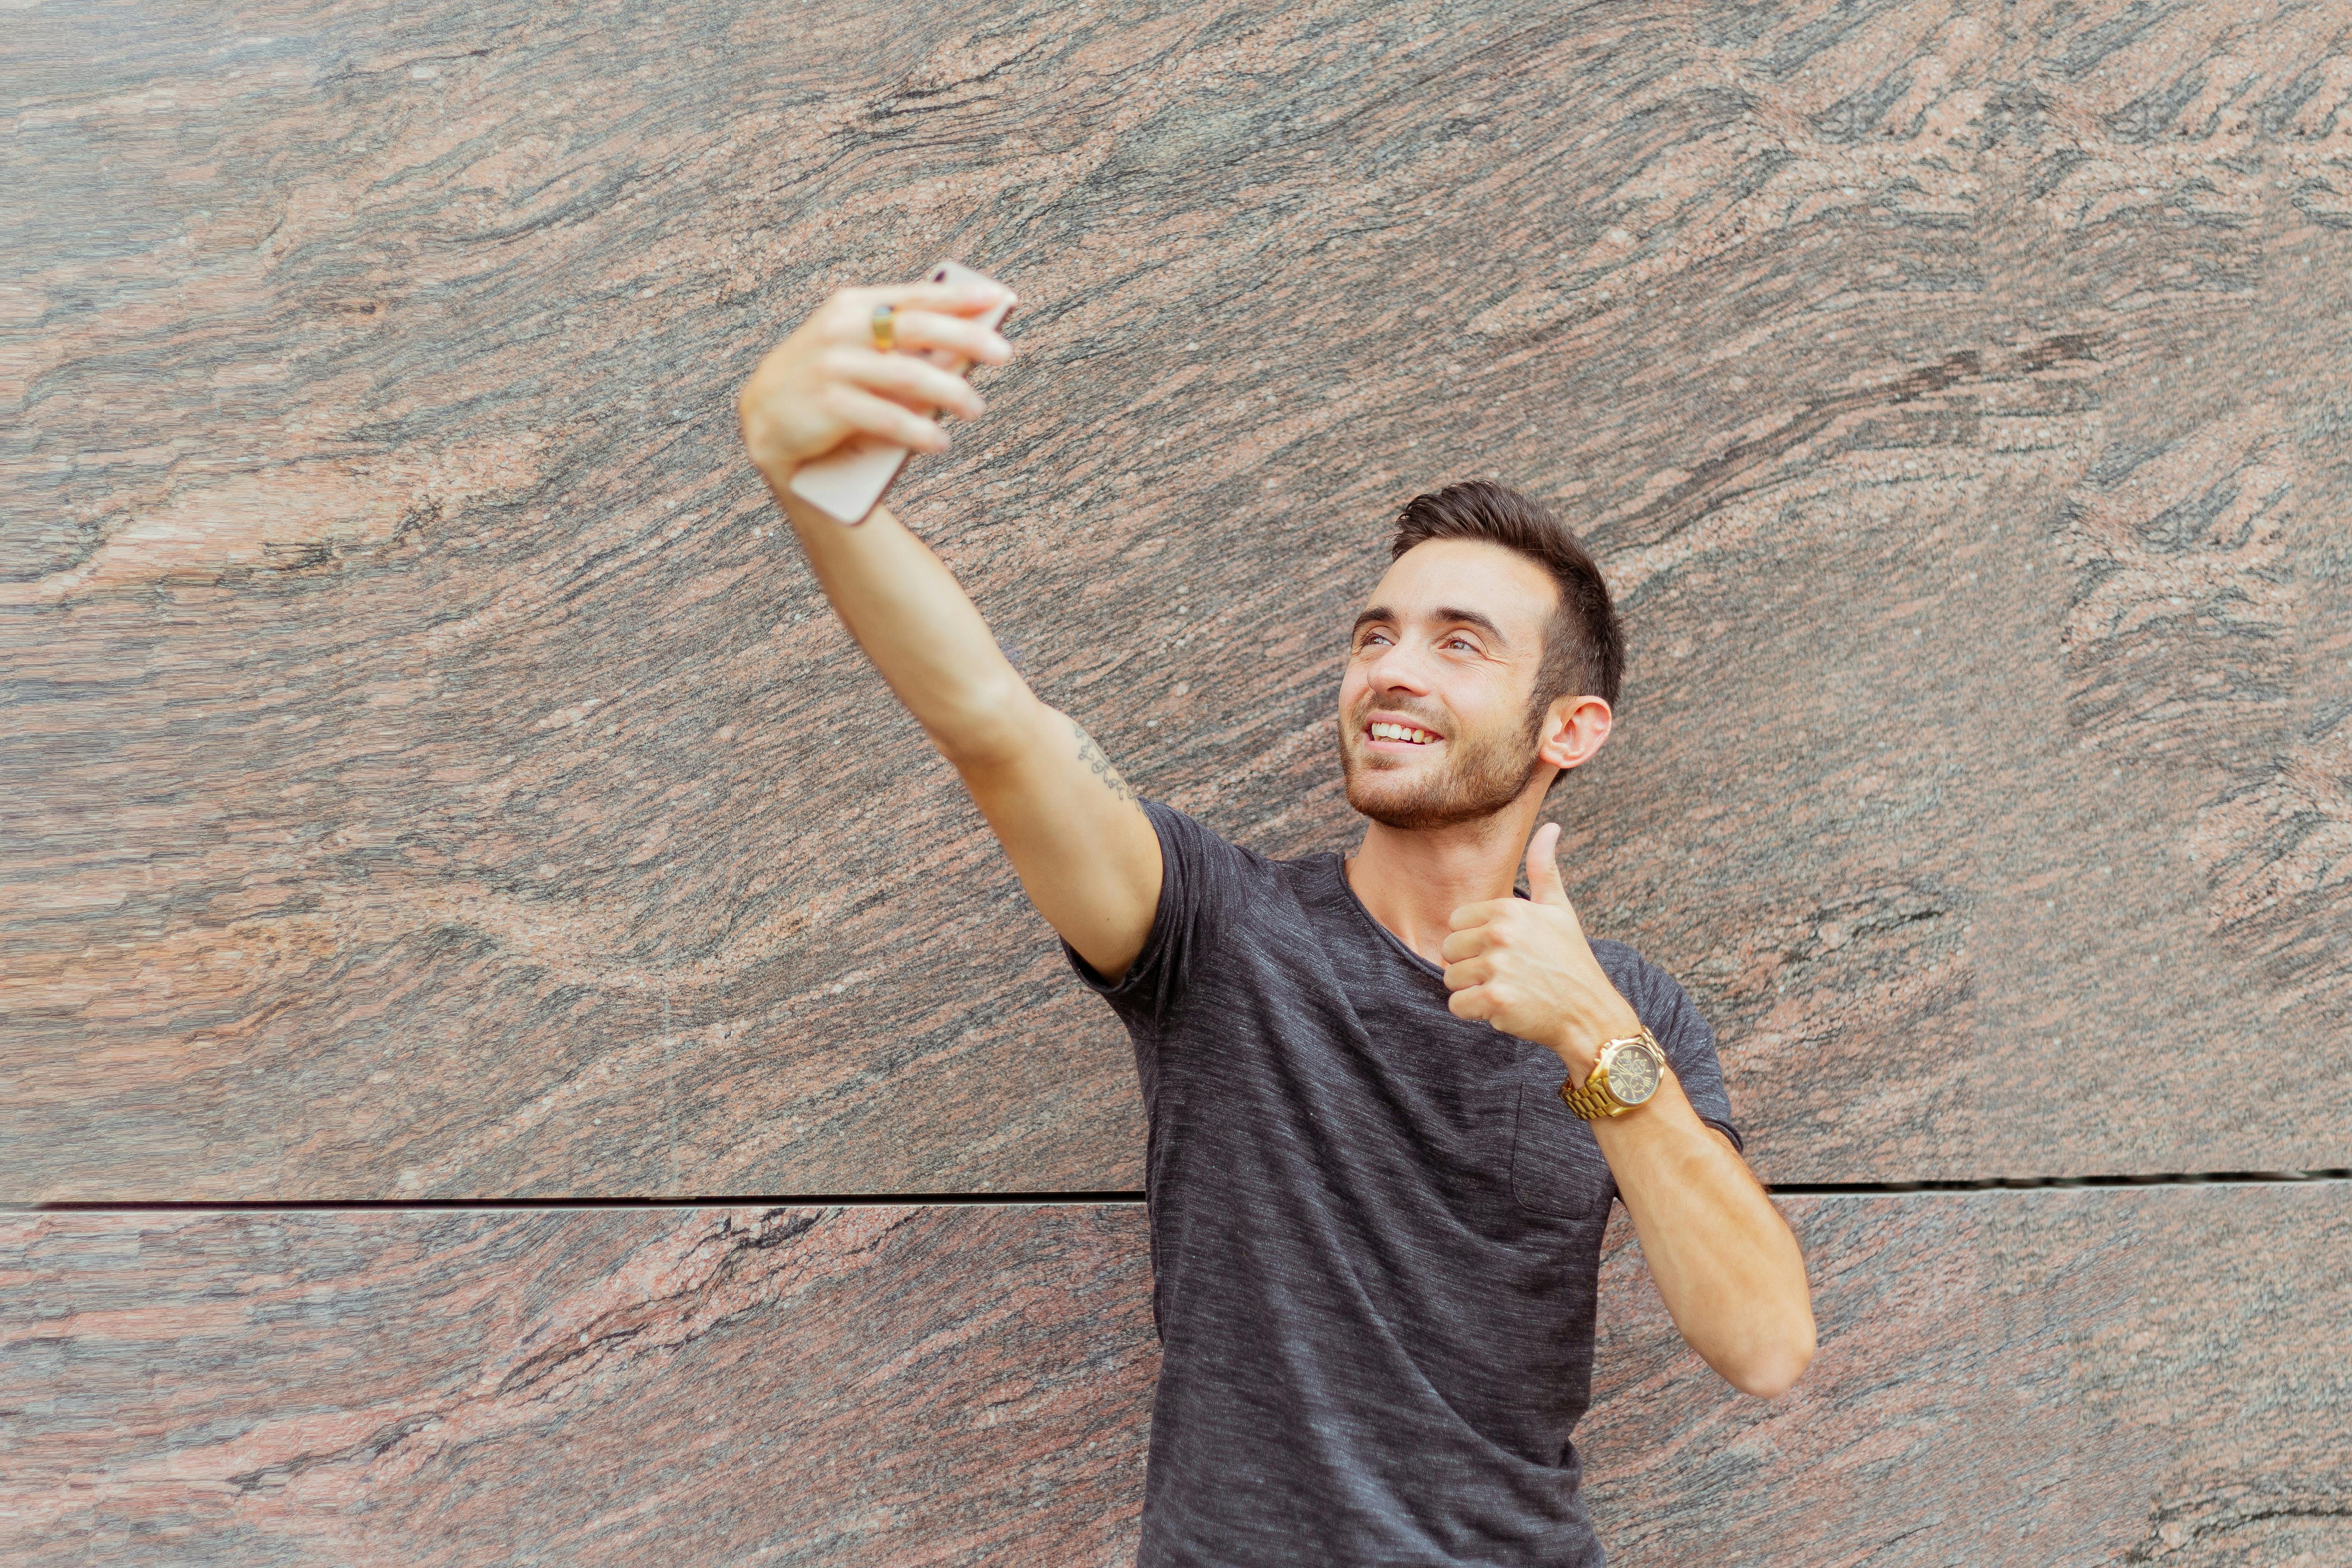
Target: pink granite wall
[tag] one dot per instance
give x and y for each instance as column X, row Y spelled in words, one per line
column 2005, row 1377
column 426, row 775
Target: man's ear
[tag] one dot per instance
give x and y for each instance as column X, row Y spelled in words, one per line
column 1573, row 729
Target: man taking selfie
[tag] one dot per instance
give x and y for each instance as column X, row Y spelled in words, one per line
column 1390, row 1102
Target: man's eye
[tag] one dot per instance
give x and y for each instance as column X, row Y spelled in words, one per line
column 1461, row 642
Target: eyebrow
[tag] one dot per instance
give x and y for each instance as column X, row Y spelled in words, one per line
column 1446, row 613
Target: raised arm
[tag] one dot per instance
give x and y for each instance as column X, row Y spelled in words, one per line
column 1085, row 853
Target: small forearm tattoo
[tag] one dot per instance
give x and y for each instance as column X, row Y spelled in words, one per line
column 1092, row 755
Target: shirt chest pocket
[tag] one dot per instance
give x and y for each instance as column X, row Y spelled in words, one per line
column 1557, row 1166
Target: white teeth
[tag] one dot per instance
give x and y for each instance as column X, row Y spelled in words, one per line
column 1383, row 731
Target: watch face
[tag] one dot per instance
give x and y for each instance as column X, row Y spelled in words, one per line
column 1633, row 1073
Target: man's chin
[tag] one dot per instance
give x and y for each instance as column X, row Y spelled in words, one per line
column 1395, row 794
column 1407, row 805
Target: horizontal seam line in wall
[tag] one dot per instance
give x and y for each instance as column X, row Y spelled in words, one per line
column 1017, row 1200
column 2039, row 1184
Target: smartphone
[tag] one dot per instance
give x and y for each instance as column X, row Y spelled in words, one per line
column 845, row 483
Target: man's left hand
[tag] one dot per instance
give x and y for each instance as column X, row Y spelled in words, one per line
column 1523, row 966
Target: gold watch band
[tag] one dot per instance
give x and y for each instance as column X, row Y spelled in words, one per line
column 1594, row 1100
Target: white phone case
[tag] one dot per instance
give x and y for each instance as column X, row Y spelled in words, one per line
column 845, row 483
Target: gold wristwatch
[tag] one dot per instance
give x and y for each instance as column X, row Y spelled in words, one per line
column 1626, row 1074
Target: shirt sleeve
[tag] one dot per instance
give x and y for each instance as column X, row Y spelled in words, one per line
column 1689, row 1043
column 1192, row 878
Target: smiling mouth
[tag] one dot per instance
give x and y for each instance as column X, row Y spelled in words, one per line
column 1410, row 735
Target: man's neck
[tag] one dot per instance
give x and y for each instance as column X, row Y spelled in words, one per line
column 1413, row 879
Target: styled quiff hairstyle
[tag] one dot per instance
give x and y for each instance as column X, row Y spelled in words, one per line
column 1584, row 646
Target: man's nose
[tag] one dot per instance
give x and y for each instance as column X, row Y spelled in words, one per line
column 1398, row 669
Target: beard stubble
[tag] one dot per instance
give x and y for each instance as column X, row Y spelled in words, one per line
column 1488, row 773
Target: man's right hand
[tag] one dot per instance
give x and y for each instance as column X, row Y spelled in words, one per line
column 1086, row 852
column 828, row 380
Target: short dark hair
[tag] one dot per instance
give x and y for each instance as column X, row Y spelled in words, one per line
column 1584, row 646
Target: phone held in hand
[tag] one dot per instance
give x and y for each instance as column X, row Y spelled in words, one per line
column 845, row 483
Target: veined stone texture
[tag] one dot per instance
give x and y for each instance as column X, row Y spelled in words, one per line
column 700, row 1385
column 427, row 771
column 2028, row 1378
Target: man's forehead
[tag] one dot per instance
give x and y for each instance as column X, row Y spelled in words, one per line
column 1441, row 578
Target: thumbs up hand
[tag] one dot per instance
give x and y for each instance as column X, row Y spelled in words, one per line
column 1523, row 966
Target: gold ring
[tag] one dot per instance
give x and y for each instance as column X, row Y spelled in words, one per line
column 885, row 334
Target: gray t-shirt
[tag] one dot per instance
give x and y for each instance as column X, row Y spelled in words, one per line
column 1375, row 1233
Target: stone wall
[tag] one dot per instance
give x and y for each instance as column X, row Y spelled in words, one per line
column 441, row 813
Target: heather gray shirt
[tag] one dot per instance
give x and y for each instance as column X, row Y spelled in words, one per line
column 1375, row 1233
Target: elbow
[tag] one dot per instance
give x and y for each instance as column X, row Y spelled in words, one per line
column 1773, row 1369
column 994, row 723
column 1769, row 1380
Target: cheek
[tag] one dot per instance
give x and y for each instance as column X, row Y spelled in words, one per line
column 1474, row 714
